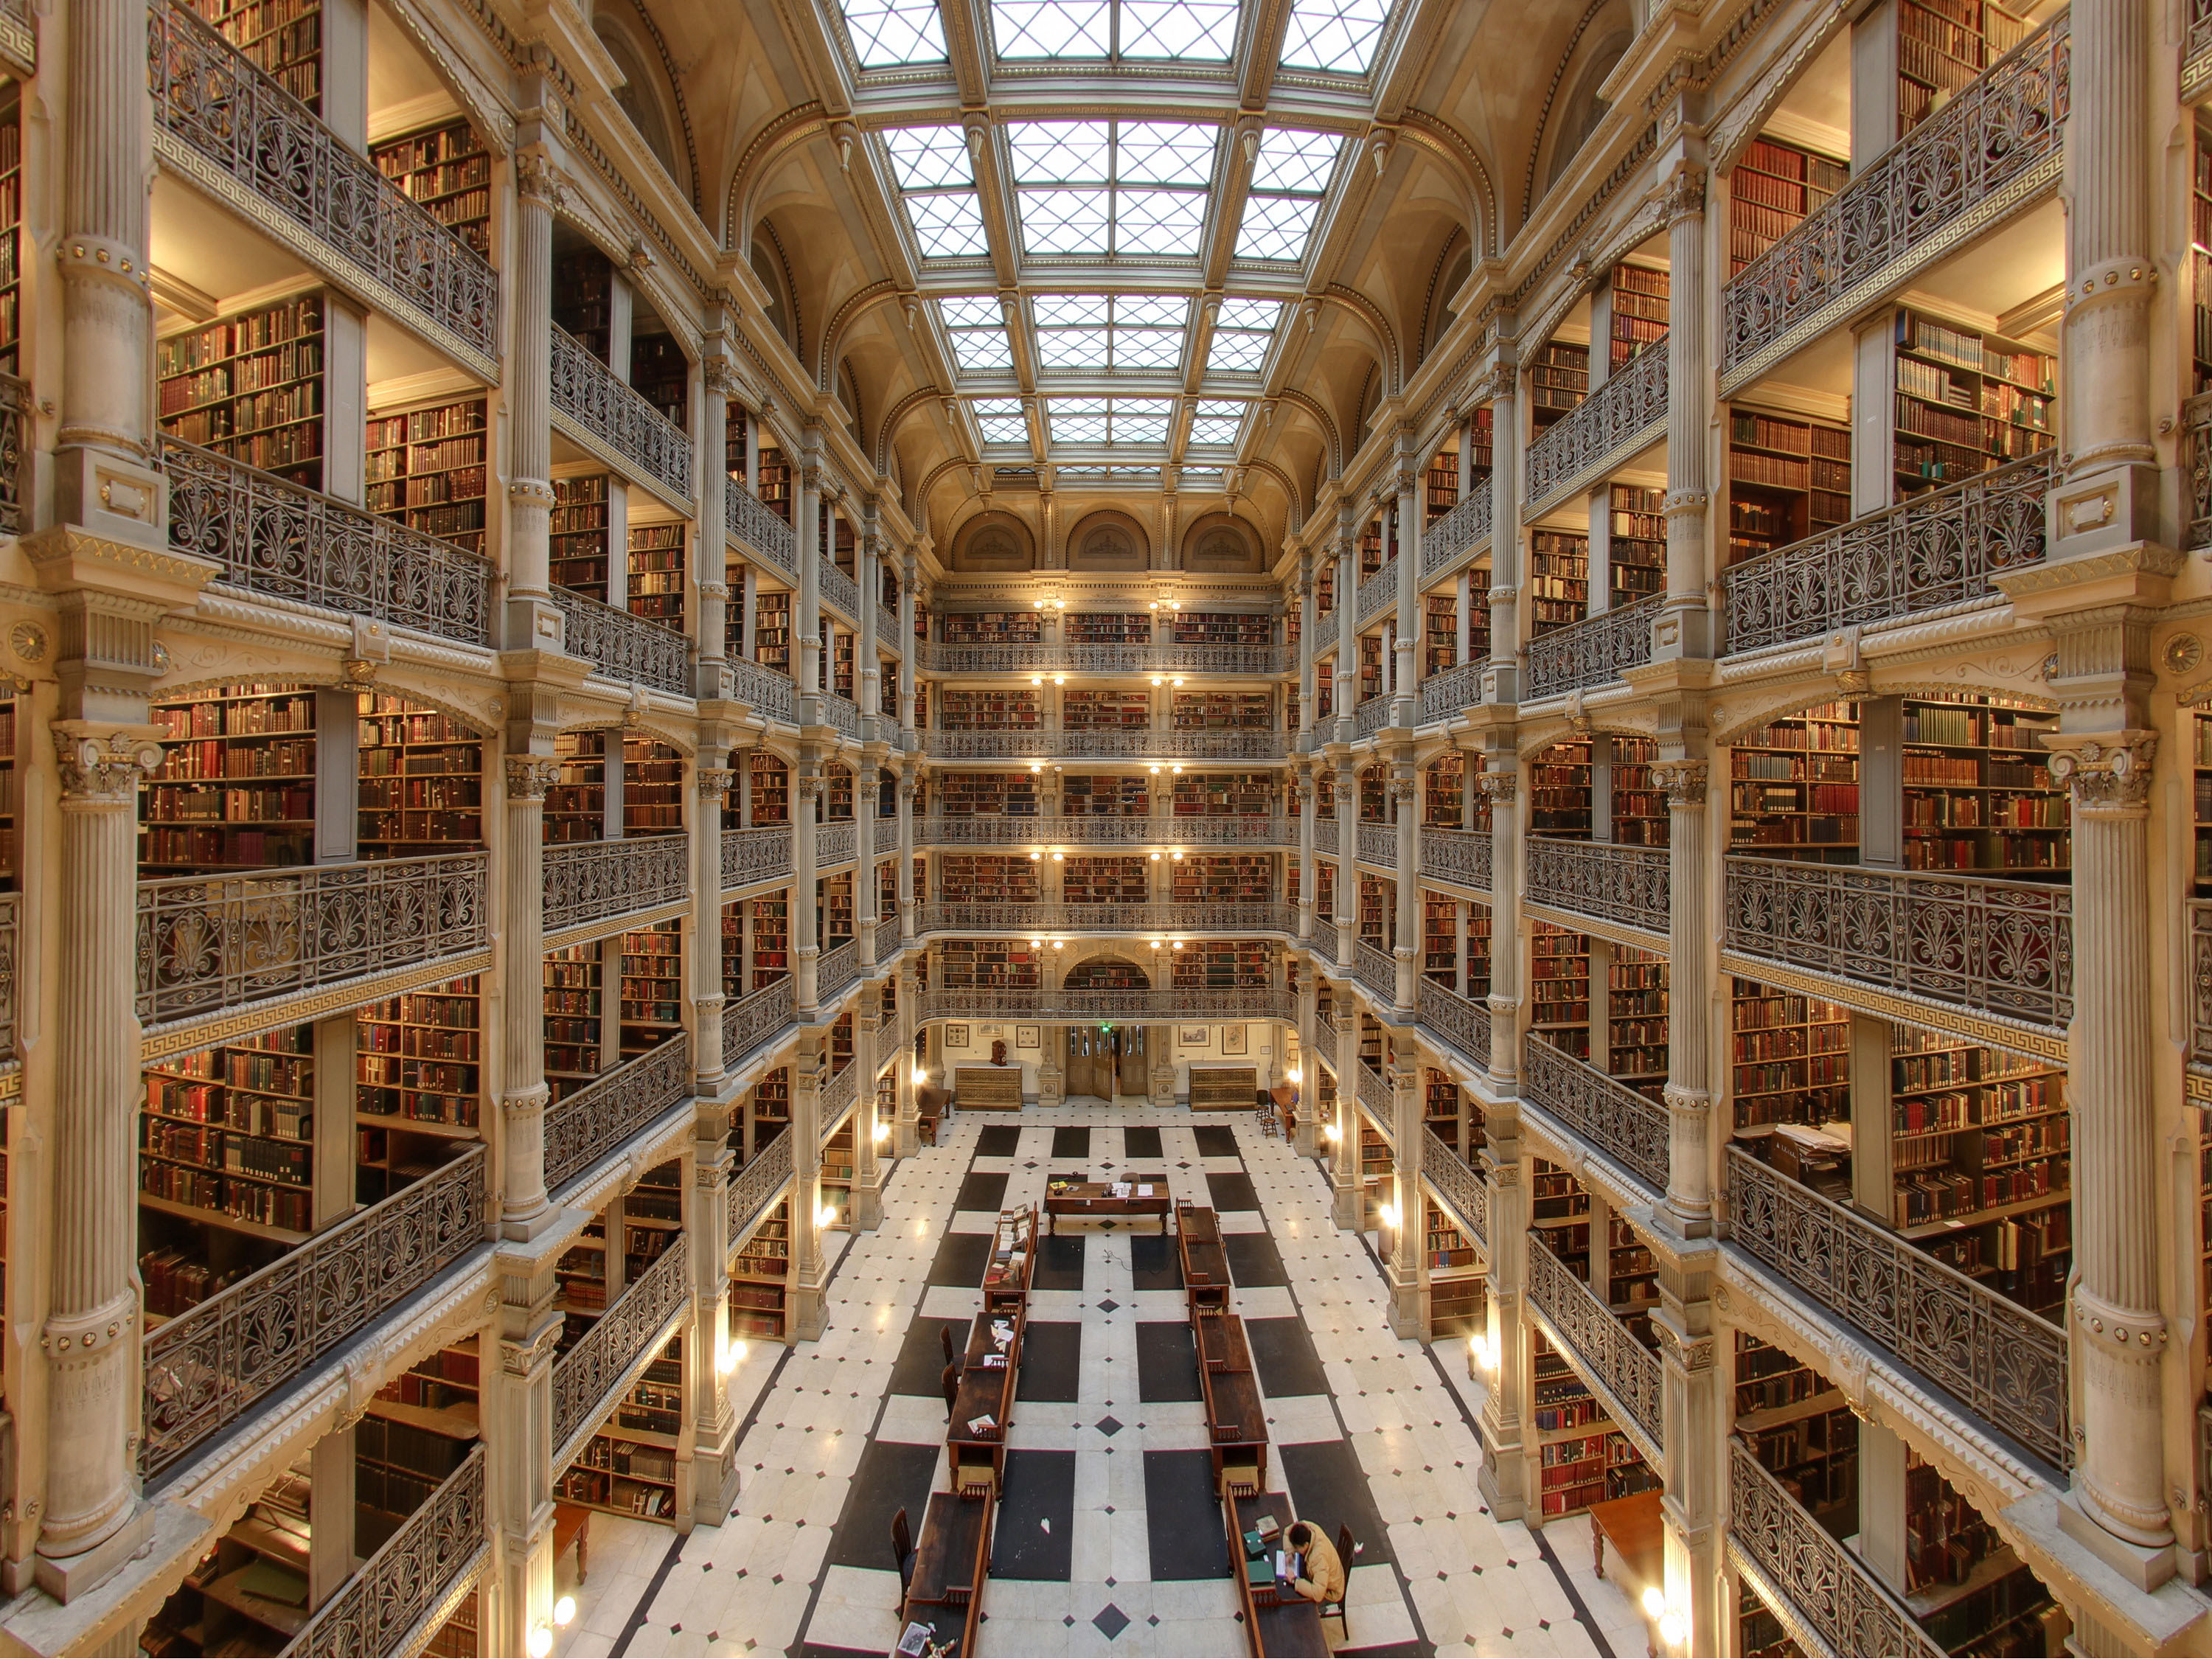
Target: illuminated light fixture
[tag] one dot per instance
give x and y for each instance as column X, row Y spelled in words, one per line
column 1175, row 944
column 826, row 1216
column 541, row 1641
column 1328, row 1132
column 1672, row 1630
column 1060, row 604
column 1156, row 857
column 1178, row 857
column 1059, row 945
column 1154, row 605
column 1157, row 943
column 1159, row 679
column 1038, row 604
column 1177, row 770
column 1036, row 858
column 1156, row 771
column 1037, row 679
column 1060, row 858
column 1388, row 1215
column 1479, row 1352
column 1037, row 944
column 1655, row 1601
column 1177, row 680
column 921, row 1077
column 1294, row 1075
column 883, row 1132
column 564, row 1612
column 1036, row 766
column 1060, row 679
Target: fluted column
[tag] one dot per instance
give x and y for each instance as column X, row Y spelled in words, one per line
column 908, row 785
column 1406, row 802
column 1501, row 788
column 713, row 1429
column 867, row 794
column 1347, row 871
column 906, row 1133
column 806, row 948
column 1689, row 416
column 808, row 669
column 1501, row 680
column 867, row 668
column 1504, row 1423
column 867, row 1211
column 2111, row 274
column 1692, row 928
column 809, row 1072
column 1410, row 512
column 1308, row 641
column 1309, row 1079
column 718, row 383
column 1302, row 801
column 1407, row 1238
column 525, row 1208
column 908, row 587
column 706, row 1059
column 529, row 394
column 1347, row 624
column 1345, row 1172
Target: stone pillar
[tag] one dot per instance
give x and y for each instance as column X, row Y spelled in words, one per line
column 533, row 623
column 714, row 1429
column 867, row 1211
column 1303, row 800
column 706, row 1058
column 908, row 785
column 1347, row 625
column 806, row 949
column 1345, row 1172
column 1309, row 643
column 908, row 587
column 516, row 1409
column 1501, row 680
column 525, row 1208
column 810, row 1070
column 1347, row 870
column 1695, row 1417
column 807, row 601
column 1404, row 1268
column 1692, row 928
column 1503, row 1421
column 1406, row 803
column 906, row 1135
column 1309, row 1081
column 711, row 557
column 1502, row 789
column 868, row 794
column 1407, row 688
column 1682, row 629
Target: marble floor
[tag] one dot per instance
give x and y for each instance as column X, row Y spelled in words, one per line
column 1106, row 1540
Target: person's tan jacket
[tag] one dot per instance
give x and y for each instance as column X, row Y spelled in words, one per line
column 1324, row 1574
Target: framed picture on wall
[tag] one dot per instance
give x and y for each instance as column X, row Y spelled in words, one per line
column 1029, row 1037
column 1193, row 1036
column 955, row 1037
column 1232, row 1039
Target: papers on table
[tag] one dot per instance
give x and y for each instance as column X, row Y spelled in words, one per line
column 1144, row 1189
column 982, row 1425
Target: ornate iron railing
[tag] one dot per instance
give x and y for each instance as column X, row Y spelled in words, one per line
column 206, row 1367
column 1378, row 592
column 612, row 418
column 595, row 880
column 1462, row 856
column 1036, row 743
column 9, row 931
column 1462, row 1022
column 410, row 1573
column 1375, row 1099
column 887, row 631
column 2200, row 967
column 608, row 1110
column 2196, row 54
column 836, row 970
column 1378, row 845
column 1372, row 716
column 1467, row 524
column 765, row 689
column 2196, row 475
column 2002, row 947
column 1828, row 1589
column 585, row 1376
column 623, row 647
column 1596, row 651
column 1377, row 970
column 1167, row 658
column 746, row 517
column 1324, row 938
column 1013, row 830
column 1608, row 1350
column 1623, row 414
column 753, row 1020
column 15, row 436
column 2006, row 1364
column 247, row 141
column 1455, row 690
column 953, row 1002
column 835, row 843
column 1599, row 878
column 838, row 1094
column 275, row 538
column 1628, row 1128
column 756, row 1185
column 1194, row 917
column 1325, row 1034
column 225, row 942
column 1939, row 549
column 1994, row 145
column 751, row 856
column 841, row 592
column 1324, row 835
column 1465, row 1193
column 841, row 715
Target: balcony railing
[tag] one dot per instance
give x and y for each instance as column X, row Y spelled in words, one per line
column 753, row 1020
column 1599, row 878
column 1037, row 744
column 1994, row 145
column 1628, row 1128
column 1452, row 692
column 841, row 715
column 1168, row 657
column 226, row 942
column 205, row 1368
column 1465, row 1193
column 1378, row 845
column 624, row 647
column 1324, row 836
column 757, row 1186
column 1620, row 417
column 838, row 1094
column 2007, row 1365
column 765, row 690
column 247, row 141
column 2196, row 54
column 887, row 631
column 1935, row 551
column 746, row 517
column 1375, row 1100
column 605, row 415
column 1466, row 525
column 2200, row 967
column 412, row 1573
column 586, row 1376
column 1827, row 1587
column 834, row 970
column 2001, row 947
column 589, row 881
column 952, row 1002
column 2196, row 470
column 1609, row 1353
column 841, row 592
column 1378, row 592
column 1596, row 651
column 15, row 427
column 751, row 856
column 835, row 843
column 1324, row 938
column 1372, row 716
column 1461, row 1020
column 1377, row 970
column 1014, row 830
column 609, row 1110
column 1325, row 1036
column 1462, row 856
column 9, row 921
column 276, row 539
column 1198, row 916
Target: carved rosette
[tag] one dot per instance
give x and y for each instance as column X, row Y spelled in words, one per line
column 1683, row 781
column 530, row 777
column 1497, row 787
column 2109, row 773
column 104, row 772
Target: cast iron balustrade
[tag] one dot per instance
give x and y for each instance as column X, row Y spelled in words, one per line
column 1452, row 692
column 1324, row 938
column 1466, row 525
column 1938, row 549
column 603, row 414
column 609, row 1110
column 587, row 1376
column 1378, row 845
column 1324, row 835
column 754, row 523
column 1609, row 1352
column 622, row 647
column 841, row 592
column 841, row 715
column 2006, row 1364
column 1598, row 650
column 1999, row 947
column 1372, row 716
column 2200, row 966
column 1462, row 856
column 1379, row 971
column 764, row 690
column 14, row 428
column 1013, row 830
column 1325, row 1034
column 757, row 1186
column 2196, row 52
column 1196, row 917
column 228, row 942
column 413, row 1573
column 1824, row 1584
column 1035, row 742
column 955, row 1002
column 2196, row 453
column 1375, row 1100
column 245, row 140
column 1461, row 1020
column 9, row 922
column 835, row 843
column 834, row 970
column 1465, row 1193
column 1168, row 657
column 751, row 856
column 205, row 1368
column 1599, row 878
column 1378, row 592
column 1626, row 412
column 1609, row 1114
column 588, row 881
column 756, row 1019
column 888, row 636
column 838, row 1095
column 1994, row 145
column 276, row 539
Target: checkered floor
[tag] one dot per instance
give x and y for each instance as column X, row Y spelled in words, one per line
column 1108, row 1540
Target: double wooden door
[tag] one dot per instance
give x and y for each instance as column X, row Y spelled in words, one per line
column 1105, row 1063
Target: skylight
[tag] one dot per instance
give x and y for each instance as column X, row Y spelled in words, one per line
column 1342, row 35
column 1215, row 422
column 1112, row 188
column 1001, row 420
column 1288, row 179
column 885, row 32
column 1109, row 331
column 978, row 331
column 1146, row 475
column 1109, row 419
column 1242, row 332
column 1176, row 31
column 936, row 183
column 1200, row 474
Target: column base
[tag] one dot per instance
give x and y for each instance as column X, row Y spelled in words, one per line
column 66, row 1577
column 905, row 1137
column 1498, row 1481
column 1407, row 1322
column 867, row 1201
column 1347, row 1208
column 805, row 1311
column 714, row 1475
column 2144, row 1566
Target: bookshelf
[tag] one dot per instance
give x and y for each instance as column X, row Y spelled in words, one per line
column 661, row 374
column 10, row 790
column 1105, row 627
column 833, row 910
column 226, row 1136
column 1371, row 667
column 1477, row 951
column 771, row 935
column 836, row 1185
column 1640, row 312
column 986, row 878
column 653, row 787
column 1370, row 546
column 1559, row 579
column 1374, row 1173
column 772, row 627
column 1224, row 711
column 417, row 1060
column 257, row 740
column 1789, row 477
column 1108, row 796
column 579, row 1277
column 836, row 793
column 421, row 780
column 1559, row 790
column 1440, row 625
column 579, row 535
column 1631, row 1271
column 1558, row 378
column 1222, row 627
column 1963, row 1582
column 840, row 663
column 427, row 470
column 2200, row 734
column 576, row 804
column 760, row 1280
column 283, row 39
column 405, row 1449
column 1638, row 543
column 1759, row 1634
column 1797, row 1424
column 1640, row 816
column 990, row 711
column 1440, row 939
column 575, row 1027
column 1559, row 987
column 986, row 965
column 1583, row 1460
column 2200, row 264
column 446, row 170
column 249, row 1593
column 1941, row 47
column 629, row 1467
column 1226, row 878
column 1966, row 402
column 1444, row 792
column 1560, row 1211
column 1636, row 1019
column 771, row 1106
column 770, row 789
column 987, row 794
column 1791, row 1055
column 1457, row 1280
column 1378, row 912
column 11, row 228
column 774, row 490
column 1223, row 965
column 993, row 626
column 1223, row 795
column 1440, row 485
column 1104, row 881
column 1103, row 711
column 250, row 386
column 1794, row 787
column 1772, row 188
column 1978, row 789
column 652, row 987
column 583, row 299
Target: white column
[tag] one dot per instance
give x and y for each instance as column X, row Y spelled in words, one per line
column 1405, row 802
column 710, row 557
column 1691, row 925
column 1501, row 681
column 531, row 624
column 908, row 785
column 807, row 803
column 524, row 1209
column 1407, row 689
column 1683, row 630
column 713, row 783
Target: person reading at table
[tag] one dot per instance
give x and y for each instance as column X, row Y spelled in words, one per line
column 1318, row 1575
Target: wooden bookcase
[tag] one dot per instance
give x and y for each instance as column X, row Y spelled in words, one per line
column 421, row 784
column 653, row 787
column 1220, row 794
column 1966, row 402
column 2200, row 727
column 986, row 965
column 1638, row 543
column 1226, row 878
column 1943, row 46
column 1440, row 939
column 771, row 1104
column 248, row 1594
column 576, row 805
column 226, row 1136
column 1636, row 1019
column 1222, row 1088
column 1106, row 628
column 579, row 535
column 769, row 788
column 834, row 914
column 629, row 1468
column 1640, row 815
column 2200, row 264
column 771, row 935
column 11, row 228
column 1222, row 627
column 774, row 490
column 1789, row 477
column 236, row 787
column 574, row 1023
column 837, row 1172
column 1102, row 880
column 1801, row 1429
column 990, row 711
column 987, row 794
column 1559, row 790
column 583, row 299
column 1559, row 987
column 1964, row 1584
column 417, row 1060
column 1793, row 785
column 1631, row 1271
column 1557, row 379
column 1559, row 579
column 446, row 170
column 1110, row 796
column 1224, row 965
column 1105, row 711
column 1374, row 1173
column 1224, row 711
column 993, row 626
column 1770, row 189
column 250, row 386
column 1978, row 789
column 652, row 987
column 772, row 627
column 1640, row 312
column 283, row 39
column 1791, row 1054
column 1559, row 1210
column 762, row 1278
column 661, row 374
column 405, row 1450
column 986, row 878
column 427, row 470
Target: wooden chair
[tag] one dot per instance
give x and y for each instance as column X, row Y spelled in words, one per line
column 945, row 1335
column 903, row 1550
column 952, row 1381
column 1240, row 1473
column 1346, row 1551
column 974, row 1473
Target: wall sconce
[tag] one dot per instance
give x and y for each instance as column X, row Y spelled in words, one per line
column 921, row 1077
column 1175, row 944
column 1060, row 679
column 1037, row 944
column 883, row 1132
column 1035, row 768
column 1036, row 858
column 1157, row 943
column 1159, row 679
column 1060, row 858
column 1156, row 857
column 1037, row 679
column 1059, row 945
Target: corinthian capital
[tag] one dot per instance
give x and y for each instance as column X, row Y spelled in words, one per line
column 540, row 181
column 2110, row 771
column 720, row 376
column 715, row 781
column 530, row 777
column 1685, row 194
column 1498, row 786
column 1683, row 780
column 103, row 768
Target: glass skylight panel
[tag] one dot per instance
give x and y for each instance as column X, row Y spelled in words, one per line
column 1109, row 331
column 1289, row 176
column 938, row 186
column 978, row 331
column 1342, row 35
column 1173, row 31
column 1135, row 188
column 1078, row 420
column 1052, row 28
column 1214, row 423
column 1000, row 420
column 1064, row 221
column 948, row 227
column 1184, row 31
column 1203, row 477
column 1109, row 419
column 885, row 32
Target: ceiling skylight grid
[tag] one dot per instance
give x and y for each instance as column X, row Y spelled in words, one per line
column 977, row 329
column 1001, row 420
column 1290, row 175
column 1112, row 189
column 1109, row 332
column 937, row 183
column 1243, row 331
column 1159, row 31
column 886, row 34
column 1339, row 35
column 1215, row 422
column 1091, row 420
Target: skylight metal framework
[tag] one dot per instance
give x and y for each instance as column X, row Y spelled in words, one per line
column 1087, row 421
column 936, row 183
column 1112, row 189
column 1132, row 31
column 1108, row 333
column 1001, row 421
column 1289, row 176
column 1242, row 331
column 1215, row 422
column 890, row 33
column 977, row 329
column 1342, row 36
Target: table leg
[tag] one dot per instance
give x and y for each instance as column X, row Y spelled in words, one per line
column 1597, row 1547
